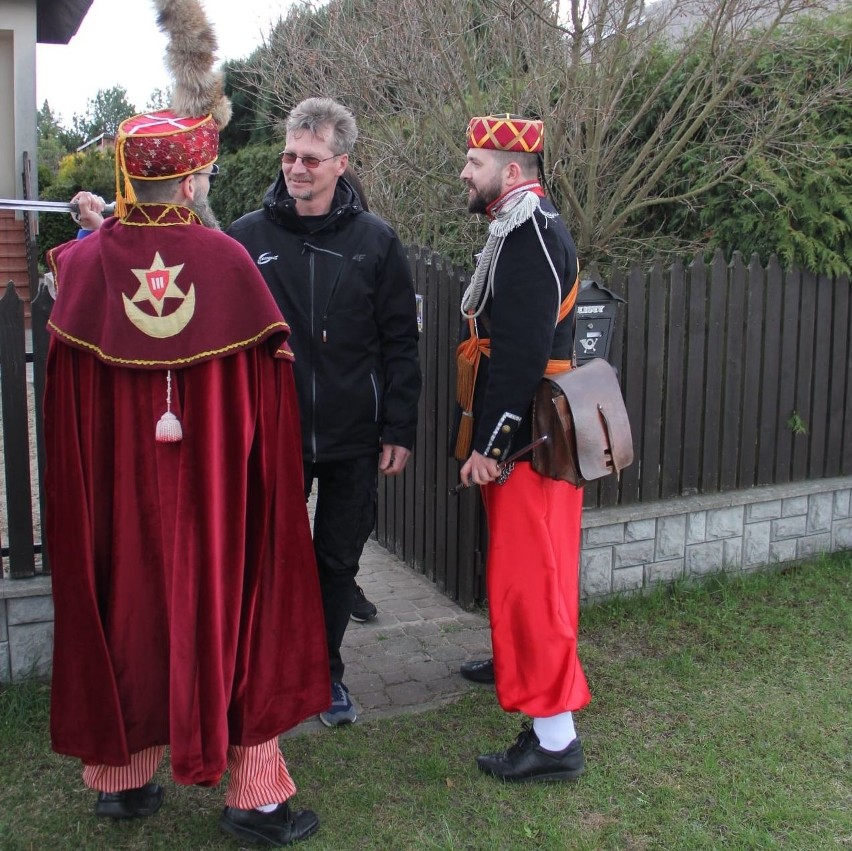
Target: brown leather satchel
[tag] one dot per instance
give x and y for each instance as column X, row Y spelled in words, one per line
column 582, row 411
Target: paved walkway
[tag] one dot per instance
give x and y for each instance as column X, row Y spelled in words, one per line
column 407, row 659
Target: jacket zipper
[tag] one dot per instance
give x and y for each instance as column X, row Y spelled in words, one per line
column 375, row 396
column 312, row 251
column 311, row 269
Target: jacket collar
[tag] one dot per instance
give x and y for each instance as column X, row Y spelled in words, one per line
column 280, row 206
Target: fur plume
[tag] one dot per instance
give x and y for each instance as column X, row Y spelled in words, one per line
column 190, row 55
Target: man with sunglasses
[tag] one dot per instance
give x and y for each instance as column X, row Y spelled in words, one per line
column 342, row 279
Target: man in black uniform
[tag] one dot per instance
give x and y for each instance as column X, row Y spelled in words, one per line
column 519, row 310
column 342, row 279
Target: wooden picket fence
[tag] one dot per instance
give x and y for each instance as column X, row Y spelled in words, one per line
column 734, row 376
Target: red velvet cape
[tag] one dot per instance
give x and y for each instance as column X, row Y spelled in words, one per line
column 157, row 289
column 187, row 606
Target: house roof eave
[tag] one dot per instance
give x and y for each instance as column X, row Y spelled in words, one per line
column 57, row 21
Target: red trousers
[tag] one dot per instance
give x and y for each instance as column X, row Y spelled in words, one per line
column 533, row 592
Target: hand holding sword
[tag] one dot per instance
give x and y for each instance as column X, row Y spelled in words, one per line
column 90, row 212
column 505, row 467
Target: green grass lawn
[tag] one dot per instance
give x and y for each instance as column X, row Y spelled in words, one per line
column 721, row 718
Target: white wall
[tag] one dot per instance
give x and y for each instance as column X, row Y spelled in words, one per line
column 17, row 94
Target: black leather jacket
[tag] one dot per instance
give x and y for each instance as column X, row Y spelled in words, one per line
column 343, row 283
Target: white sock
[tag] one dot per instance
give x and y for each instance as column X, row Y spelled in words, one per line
column 556, row 732
column 267, row 808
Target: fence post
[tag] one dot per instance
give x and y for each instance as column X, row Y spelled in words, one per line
column 40, row 310
column 16, row 445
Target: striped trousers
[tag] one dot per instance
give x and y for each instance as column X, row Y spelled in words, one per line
column 258, row 775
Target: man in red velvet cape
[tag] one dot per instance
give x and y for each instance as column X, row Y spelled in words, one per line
column 519, row 311
column 187, row 606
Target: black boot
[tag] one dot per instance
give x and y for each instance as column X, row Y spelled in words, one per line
column 282, row 826
column 527, row 760
column 131, row 803
column 478, row 671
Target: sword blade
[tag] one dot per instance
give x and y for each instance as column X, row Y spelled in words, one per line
column 35, row 206
column 45, row 206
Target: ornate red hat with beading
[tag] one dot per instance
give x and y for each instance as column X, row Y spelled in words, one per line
column 160, row 145
column 506, row 133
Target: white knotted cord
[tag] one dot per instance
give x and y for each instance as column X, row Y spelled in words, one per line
column 516, row 208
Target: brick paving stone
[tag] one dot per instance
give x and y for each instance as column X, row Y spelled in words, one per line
column 395, row 676
column 476, row 621
column 428, row 671
column 424, row 628
column 453, row 686
column 361, row 635
column 449, row 654
column 375, row 648
column 401, row 644
column 382, row 664
column 399, row 604
column 433, row 611
column 359, row 683
column 372, row 700
column 410, row 694
column 409, row 617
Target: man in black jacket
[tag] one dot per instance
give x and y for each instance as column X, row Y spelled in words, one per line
column 343, row 282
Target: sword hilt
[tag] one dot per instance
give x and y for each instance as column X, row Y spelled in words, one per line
column 74, row 207
column 507, row 465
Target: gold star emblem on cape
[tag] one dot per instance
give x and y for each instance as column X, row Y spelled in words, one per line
column 156, row 284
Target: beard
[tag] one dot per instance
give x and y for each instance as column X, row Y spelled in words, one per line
column 201, row 207
column 300, row 191
column 483, row 197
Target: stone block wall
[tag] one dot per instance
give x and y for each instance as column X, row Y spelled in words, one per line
column 625, row 549
column 26, row 629
column 630, row 548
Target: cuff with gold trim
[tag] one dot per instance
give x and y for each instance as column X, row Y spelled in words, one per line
column 501, row 438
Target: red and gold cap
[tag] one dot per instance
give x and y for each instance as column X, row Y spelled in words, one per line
column 506, row 133
column 159, row 146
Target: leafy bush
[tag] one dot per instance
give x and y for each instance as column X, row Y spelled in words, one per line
column 246, row 175
column 93, row 171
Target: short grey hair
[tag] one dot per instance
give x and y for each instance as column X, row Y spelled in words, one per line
column 317, row 115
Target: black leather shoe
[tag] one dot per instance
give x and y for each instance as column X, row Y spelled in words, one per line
column 480, row 671
column 526, row 760
column 281, row 827
column 131, row 803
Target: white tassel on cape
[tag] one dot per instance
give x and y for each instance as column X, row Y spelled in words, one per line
column 168, row 429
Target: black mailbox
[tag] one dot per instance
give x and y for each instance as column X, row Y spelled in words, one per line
column 595, row 321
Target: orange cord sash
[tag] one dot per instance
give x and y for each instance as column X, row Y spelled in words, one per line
column 468, row 356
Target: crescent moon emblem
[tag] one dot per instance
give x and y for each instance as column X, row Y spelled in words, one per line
column 162, row 326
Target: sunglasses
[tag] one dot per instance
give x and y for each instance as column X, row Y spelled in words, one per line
column 308, row 162
column 211, row 175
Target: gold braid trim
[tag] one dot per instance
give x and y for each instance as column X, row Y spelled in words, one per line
column 184, row 215
column 283, row 326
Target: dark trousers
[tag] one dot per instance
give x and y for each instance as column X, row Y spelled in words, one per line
column 343, row 520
